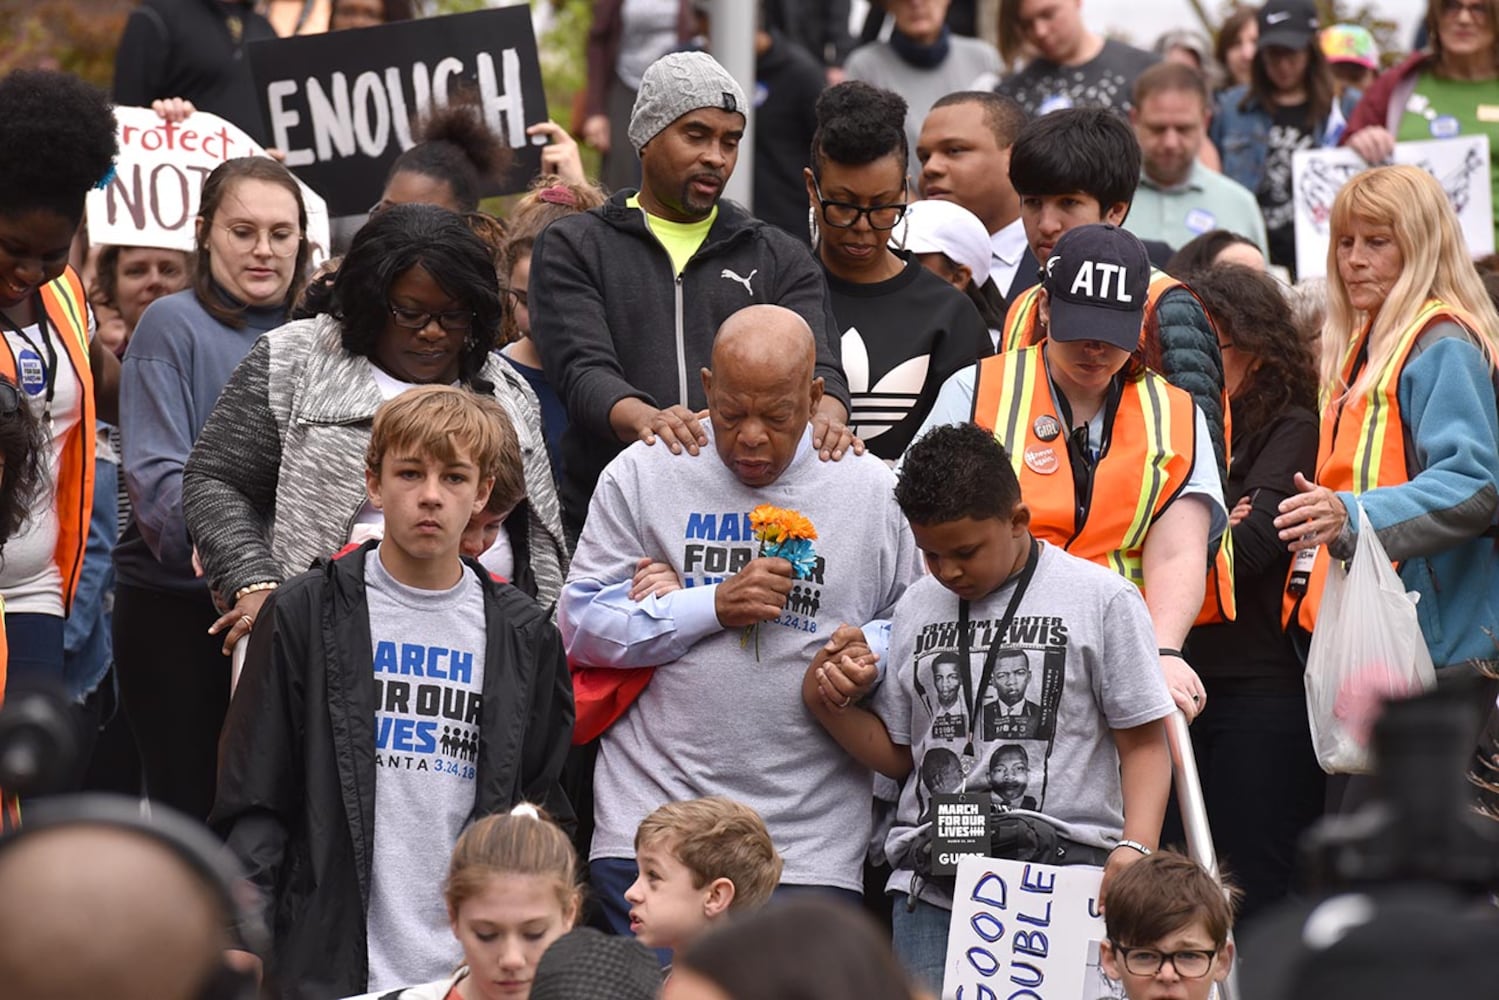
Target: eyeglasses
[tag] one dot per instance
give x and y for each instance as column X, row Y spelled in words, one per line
column 1148, row 961
column 283, row 242
column 10, row 399
column 457, row 321
column 843, row 215
column 518, row 297
column 1478, row 11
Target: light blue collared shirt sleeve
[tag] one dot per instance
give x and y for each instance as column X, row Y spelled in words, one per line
column 877, row 635
column 602, row 627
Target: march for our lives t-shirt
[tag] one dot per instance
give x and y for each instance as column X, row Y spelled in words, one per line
column 428, row 650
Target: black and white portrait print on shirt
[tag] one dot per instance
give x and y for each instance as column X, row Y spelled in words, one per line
column 1016, row 719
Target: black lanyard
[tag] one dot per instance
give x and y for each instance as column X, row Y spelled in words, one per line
column 1001, row 630
column 1080, row 457
column 49, row 366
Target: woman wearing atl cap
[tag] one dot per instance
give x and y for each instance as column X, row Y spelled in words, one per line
column 1086, row 424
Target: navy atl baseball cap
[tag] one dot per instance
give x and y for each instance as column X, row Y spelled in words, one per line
column 1097, row 278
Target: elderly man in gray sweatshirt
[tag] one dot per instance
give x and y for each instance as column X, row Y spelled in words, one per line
column 719, row 716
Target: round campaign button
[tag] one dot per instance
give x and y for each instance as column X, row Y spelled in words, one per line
column 1046, row 427
column 32, row 373
column 1445, row 127
column 1042, row 461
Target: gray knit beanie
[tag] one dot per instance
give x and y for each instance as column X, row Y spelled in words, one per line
column 676, row 84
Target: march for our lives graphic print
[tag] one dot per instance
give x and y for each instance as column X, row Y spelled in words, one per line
column 718, row 544
column 428, row 704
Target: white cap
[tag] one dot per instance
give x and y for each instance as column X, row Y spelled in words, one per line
column 933, row 226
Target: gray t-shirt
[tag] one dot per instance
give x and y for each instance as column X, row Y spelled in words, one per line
column 1107, row 80
column 714, row 721
column 1079, row 660
column 428, row 650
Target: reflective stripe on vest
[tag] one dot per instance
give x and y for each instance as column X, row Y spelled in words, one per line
column 1150, row 456
column 67, row 311
column 1362, row 441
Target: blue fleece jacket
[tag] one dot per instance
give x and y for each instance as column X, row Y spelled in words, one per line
column 174, row 369
column 1433, row 524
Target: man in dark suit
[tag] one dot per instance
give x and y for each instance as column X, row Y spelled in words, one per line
column 1010, row 715
column 964, row 150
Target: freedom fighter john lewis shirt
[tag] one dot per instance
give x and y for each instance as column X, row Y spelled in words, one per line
column 428, row 648
column 1079, row 659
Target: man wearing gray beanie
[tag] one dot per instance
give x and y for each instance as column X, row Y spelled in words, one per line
column 625, row 298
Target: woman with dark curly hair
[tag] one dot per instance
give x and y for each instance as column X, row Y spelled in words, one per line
column 1212, row 248
column 252, row 252
column 57, row 141
column 276, row 478
column 1259, row 774
column 22, row 448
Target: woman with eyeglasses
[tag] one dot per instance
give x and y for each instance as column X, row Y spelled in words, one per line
column 904, row 329
column 252, row 254
column 1449, row 89
column 276, row 479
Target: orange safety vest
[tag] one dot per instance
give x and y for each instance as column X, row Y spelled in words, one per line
column 1023, row 330
column 67, row 311
column 1149, row 458
column 1362, row 442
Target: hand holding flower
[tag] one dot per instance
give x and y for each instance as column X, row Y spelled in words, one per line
column 755, row 594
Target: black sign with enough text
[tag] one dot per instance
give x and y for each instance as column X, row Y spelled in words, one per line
column 341, row 105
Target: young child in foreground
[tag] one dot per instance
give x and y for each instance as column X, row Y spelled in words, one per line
column 1057, row 725
column 512, row 889
column 699, row 861
column 1168, row 924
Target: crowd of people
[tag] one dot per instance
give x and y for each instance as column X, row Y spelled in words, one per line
column 626, row 584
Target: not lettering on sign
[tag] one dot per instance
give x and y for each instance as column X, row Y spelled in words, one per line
column 152, row 199
column 1025, row 931
column 341, row 104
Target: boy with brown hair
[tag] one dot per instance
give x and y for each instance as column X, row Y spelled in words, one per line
column 1168, row 922
column 390, row 697
column 699, row 861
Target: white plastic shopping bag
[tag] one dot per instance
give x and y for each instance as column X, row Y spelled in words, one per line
column 1366, row 649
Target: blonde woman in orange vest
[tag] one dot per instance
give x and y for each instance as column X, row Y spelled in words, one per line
column 1114, row 462
column 57, row 140
column 1408, row 417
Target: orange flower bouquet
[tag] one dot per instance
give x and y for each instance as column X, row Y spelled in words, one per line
column 782, row 534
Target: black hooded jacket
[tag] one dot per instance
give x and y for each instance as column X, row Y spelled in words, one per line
column 296, row 783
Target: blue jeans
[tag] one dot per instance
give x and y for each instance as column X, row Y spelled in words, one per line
column 920, row 940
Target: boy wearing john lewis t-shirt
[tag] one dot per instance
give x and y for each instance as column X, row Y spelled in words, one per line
column 389, row 697
column 1082, row 774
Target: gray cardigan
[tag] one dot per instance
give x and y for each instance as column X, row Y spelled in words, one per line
column 276, row 478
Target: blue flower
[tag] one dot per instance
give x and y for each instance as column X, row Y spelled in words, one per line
column 798, row 552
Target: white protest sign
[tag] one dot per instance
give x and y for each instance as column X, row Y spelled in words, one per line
column 1025, row 932
column 1461, row 165
column 153, row 198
